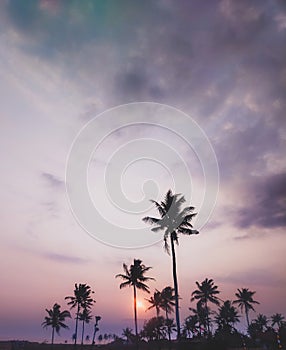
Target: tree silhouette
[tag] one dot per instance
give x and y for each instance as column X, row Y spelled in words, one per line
column 167, row 304
column 80, row 300
column 277, row 319
column 173, row 220
column 55, row 319
column 154, row 329
column 226, row 317
column 128, row 334
column 96, row 329
column 206, row 292
column 191, row 326
column 84, row 316
column 134, row 277
column 168, row 300
column 245, row 301
column 202, row 315
column 261, row 321
column 155, row 301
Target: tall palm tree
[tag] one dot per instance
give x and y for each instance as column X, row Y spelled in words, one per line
column 227, row 316
column 155, row 301
column 134, row 277
column 277, row 319
column 207, row 292
column 245, row 301
column 56, row 319
column 84, row 316
column 173, row 221
column 81, row 299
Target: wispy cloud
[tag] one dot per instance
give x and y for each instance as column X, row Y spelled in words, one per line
column 52, row 180
column 257, row 277
column 64, row 258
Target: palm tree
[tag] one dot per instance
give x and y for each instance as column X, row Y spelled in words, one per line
column 55, row 319
column 155, row 302
column 81, row 300
column 227, row 316
column 127, row 332
column 154, row 329
column 261, row 321
column 168, row 303
column 134, row 276
column 84, row 316
column 245, row 301
column 191, row 325
column 167, row 300
column 173, row 220
column 206, row 292
column 202, row 315
column 277, row 319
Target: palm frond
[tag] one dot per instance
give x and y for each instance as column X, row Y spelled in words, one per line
column 151, row 220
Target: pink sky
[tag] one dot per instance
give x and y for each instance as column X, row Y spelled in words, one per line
column 220, row 62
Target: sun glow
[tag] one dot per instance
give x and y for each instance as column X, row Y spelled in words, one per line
column 140, row 304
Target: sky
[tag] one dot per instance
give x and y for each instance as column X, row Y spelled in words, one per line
column 81, row 152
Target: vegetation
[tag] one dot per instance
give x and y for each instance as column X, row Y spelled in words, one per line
column 206, row 292
column 135, row 277
column 205, row 327
column 173, row 221
column 56, row 319
column 80, row 300
column 245, row 301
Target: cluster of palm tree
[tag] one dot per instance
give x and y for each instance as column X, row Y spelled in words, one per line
column 82, row 301
column 226, row 316
column 173, row 220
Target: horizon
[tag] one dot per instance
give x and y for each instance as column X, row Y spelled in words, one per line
column 105, row 106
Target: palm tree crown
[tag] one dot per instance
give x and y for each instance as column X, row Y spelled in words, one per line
column 168, row 300
column 55, row 319
column 245, row 301
column 135, row 276
column 173, row 221
column 227, row 316
column 155, row 301
column 277, row 319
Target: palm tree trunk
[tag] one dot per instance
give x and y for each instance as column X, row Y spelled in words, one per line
column 53, row 335
column 247, row 318
column 135, row 312
column 175, row 288
column 169, row 333
column 207, row 315
column 82, row 333
column 76, row 324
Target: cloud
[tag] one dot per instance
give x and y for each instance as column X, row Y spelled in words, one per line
column 64, row 258
column 52, row 180
column 266, row 203
column 257, row 277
